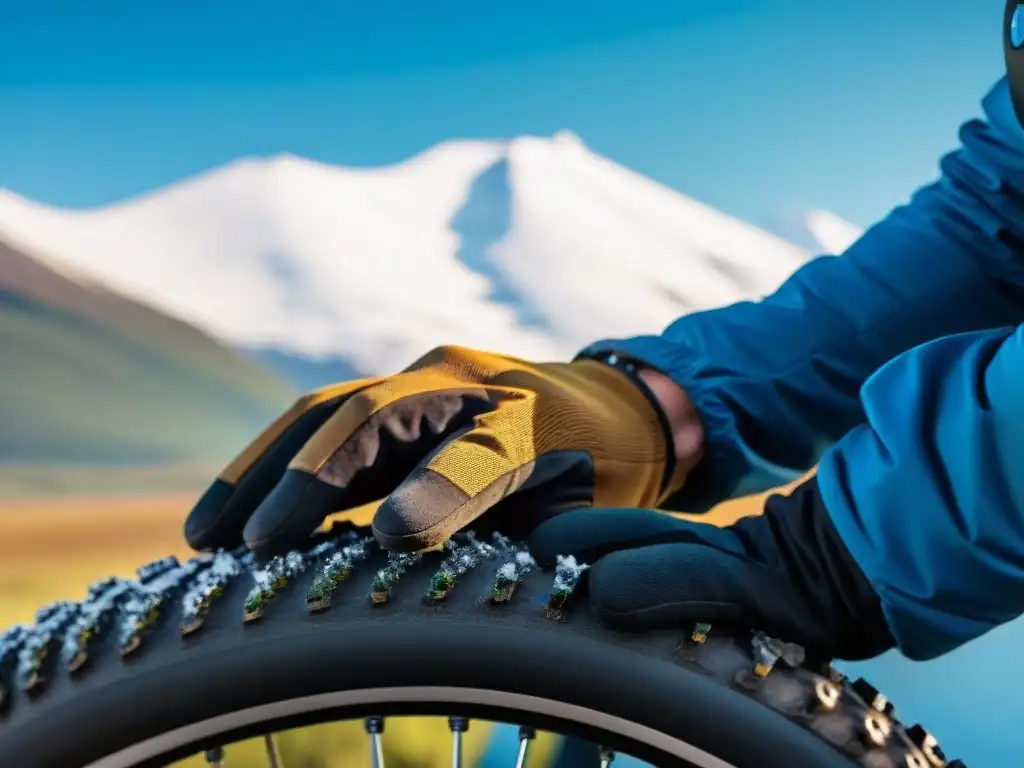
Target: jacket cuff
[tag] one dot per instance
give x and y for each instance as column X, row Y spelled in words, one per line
column 730, row 468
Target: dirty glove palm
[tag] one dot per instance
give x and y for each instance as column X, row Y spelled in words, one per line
column 456, row 434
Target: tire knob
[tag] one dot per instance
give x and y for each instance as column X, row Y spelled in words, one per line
column 769, row 651
column 872, row 697
column 877, row 728
column 826, row 694
column 928, row 745
column 700, row 633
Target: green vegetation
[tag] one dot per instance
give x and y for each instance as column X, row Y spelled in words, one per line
column 120, row 391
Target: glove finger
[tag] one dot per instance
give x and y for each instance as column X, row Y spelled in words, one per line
column 361, row 453
column 473, row 472
column 669, row 585
column 592, row 533
column 218, row 518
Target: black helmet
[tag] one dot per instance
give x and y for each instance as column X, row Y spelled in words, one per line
column 1013, row 48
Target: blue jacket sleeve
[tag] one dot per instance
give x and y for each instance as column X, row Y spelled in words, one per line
column 777, row 381
column 928, row 494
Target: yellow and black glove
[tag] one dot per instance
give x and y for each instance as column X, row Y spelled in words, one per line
column 456, row 434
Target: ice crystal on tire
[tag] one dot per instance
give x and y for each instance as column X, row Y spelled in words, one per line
column 40, row 641
column 11, row 642
column 567, row 575
column 460, row 559
column 99, row 607
column 335, row 571
column 140, row 614
column 325, row 547
column 511, row 574
column 154, row 570
column 270, row 580
column 398, row 563
column 208, row 587
column 141, row 611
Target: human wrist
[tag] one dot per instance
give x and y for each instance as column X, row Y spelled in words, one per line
column 686, row 429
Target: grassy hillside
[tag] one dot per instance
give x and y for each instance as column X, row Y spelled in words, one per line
column 90, row 378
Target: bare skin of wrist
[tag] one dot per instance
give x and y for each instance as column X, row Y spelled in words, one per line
column 687, row 430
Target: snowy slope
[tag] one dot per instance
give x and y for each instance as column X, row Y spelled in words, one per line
column 534, row 247
column 832, row 234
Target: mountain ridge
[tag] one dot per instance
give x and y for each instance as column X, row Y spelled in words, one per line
column 533, row 246
column 94, row 378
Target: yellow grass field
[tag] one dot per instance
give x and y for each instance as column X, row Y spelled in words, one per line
column 53, row 548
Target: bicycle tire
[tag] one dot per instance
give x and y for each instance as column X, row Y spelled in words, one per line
column 670, row 698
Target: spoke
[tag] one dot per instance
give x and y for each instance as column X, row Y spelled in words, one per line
column 375, row 727
column 607, row 757
column 273, row 756
column 215, row 757
column 526, row 735
column 458, row 726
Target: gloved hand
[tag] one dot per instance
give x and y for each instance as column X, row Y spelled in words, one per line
column 456, row 434
column 785, row 572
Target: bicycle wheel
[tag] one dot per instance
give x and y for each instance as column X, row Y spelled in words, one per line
column 195, row 655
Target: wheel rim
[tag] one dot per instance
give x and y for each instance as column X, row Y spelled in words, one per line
column 619, row 730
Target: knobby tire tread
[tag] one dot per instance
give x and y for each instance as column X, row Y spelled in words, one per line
column 69, row 697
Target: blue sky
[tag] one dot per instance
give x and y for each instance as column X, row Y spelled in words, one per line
column 762, row 108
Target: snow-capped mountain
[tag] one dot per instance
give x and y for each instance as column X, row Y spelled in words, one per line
column 831, row 233
column 533, row 247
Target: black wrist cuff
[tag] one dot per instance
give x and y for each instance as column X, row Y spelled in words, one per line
column 817, row 562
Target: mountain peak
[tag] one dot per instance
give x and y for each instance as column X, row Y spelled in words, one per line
column 832, row 234
column 567, row 138
column 533, row 246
